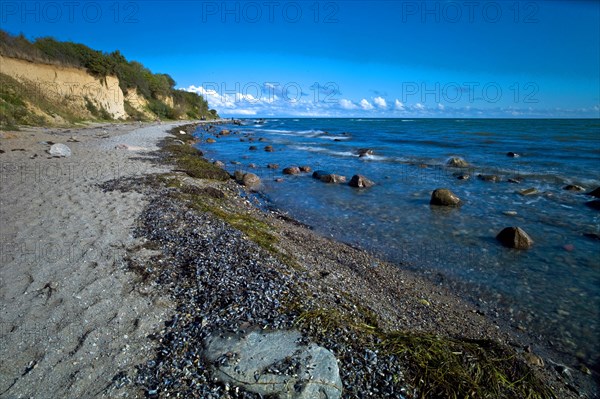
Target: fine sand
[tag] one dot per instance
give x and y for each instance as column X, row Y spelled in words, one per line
column 71, row 315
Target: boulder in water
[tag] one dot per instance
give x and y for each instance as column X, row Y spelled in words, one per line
column 573, row 187
column 305, row 169
column 457, row 162
column 269, row 148
column 250, row 180
column 292, row 170
column 333, row 178
column 364, row 152
column 489, row 178
column 512, row 154
column 360, row 181
column 529, row 191
column 318, row 173
column 595, row 204
column 444, row 197
column 514, row 237
column 595, row 192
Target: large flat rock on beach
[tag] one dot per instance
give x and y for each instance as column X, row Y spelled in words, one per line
column 274, row 363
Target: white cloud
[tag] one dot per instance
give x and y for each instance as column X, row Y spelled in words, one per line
column 441, row 107
column 243, row 112
column 364, row 104
column 347, row 104
column 398, row 105
column 380, row 102
column 419, row 106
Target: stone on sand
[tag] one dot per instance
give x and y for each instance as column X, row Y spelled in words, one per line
column 59, row 150
column 274, row 364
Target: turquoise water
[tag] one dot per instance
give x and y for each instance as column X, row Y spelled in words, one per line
column 552, row 289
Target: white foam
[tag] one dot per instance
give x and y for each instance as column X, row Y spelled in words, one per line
column 334, row 137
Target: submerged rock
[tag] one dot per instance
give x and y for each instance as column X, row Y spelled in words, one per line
column 595, row 204
column 253, row 148
column 573, row 187
column 514, row 237
column 593, row 236
column 444, row 197
column 360, row 181
column 292, row 170
column 250, row 180
column 595, row 192
column 59, row 150
column 318, row 173
column 364, row 152
column 274, row 364
column 238, row 175
column 512, row 154
column 529, row 191
column 333, row 178
column 269, row 148
column 273, row 166
column 489, row 178
column 457, row 162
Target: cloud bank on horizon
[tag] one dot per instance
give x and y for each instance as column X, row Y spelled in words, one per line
column 265, row 104
column 382, row 58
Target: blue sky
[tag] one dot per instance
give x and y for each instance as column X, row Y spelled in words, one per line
column 349, row 58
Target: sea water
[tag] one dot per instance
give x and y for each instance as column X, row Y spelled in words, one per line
column 552, row 289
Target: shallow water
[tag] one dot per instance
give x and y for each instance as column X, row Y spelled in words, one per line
column 548, row 289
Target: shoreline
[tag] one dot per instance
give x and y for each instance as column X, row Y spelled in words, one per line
column 320, row 282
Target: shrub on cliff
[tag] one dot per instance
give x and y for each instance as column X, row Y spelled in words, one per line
column 132, row 75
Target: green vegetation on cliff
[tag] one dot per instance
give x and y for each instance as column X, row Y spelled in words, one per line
column 157, row 89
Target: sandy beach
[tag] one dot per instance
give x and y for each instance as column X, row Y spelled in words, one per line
column 111, row 278
column 72, row 316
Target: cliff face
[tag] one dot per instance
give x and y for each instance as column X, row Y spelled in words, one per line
column 74, row 88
